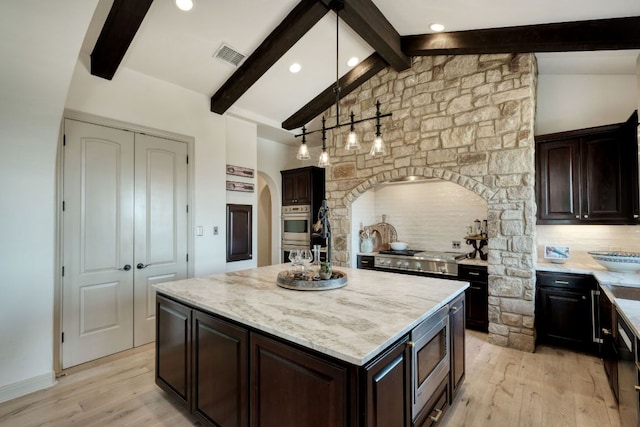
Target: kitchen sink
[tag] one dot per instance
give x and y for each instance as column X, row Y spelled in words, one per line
column 625, row 292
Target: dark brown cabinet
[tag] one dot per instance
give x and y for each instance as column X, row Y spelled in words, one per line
column 173, row 348
column 229, row 374
column 220, row 371
column 609, row 351
column 239, row 232
column 315, row 390
column 456, row 336
column 388, row 389
column 366, row 262
column 477, row 296
column 566, row 310
column 303, row 186
column 588, row 176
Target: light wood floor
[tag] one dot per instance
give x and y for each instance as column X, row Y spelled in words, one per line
column 503, row 387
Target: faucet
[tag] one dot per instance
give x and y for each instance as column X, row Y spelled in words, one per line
column 325, row 232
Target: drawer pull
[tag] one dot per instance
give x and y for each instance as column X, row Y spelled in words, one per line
column 606, row 331
column 561, row 282
column 435, row 418
column 635, row 387
column 454, row 309
column 474, row 273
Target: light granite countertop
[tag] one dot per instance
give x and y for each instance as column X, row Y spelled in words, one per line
column 629, row 309
column 354, row 323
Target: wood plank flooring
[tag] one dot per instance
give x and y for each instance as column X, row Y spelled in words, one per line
column 551, row 387
column 503, row 387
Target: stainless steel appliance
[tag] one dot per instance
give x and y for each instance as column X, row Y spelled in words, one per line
column 627, row 375
column 418, row 261
column 296, row 226
column 429, row 357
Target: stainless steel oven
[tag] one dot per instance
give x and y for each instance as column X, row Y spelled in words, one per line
column 296, row 226
column 429, row 357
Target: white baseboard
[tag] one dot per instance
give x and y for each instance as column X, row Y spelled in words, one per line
column 11, row 391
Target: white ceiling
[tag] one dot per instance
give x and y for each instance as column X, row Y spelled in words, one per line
column 178, row 47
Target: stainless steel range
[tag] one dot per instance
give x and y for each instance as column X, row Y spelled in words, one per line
column 418, row 261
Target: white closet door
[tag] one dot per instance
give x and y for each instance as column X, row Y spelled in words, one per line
column 160, row 225
column 97, row 285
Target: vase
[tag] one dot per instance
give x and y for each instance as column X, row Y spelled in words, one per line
column 367, row 245
column 325, row 271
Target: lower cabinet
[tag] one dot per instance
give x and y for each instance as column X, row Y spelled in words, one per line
column 477, row 304
column 173, row 349
column 456, row 339
column 229, row 375
column 220, row 371
column 290, row 387
column 566, row 310
column 609, row 350
column 388, row 388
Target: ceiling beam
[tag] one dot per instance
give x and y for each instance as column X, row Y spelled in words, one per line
column 350, row 81
column 118, row 31
column 602, row 34
column 365, row 18
column 300, row 20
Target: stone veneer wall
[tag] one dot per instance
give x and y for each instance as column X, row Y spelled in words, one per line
column 467, row 119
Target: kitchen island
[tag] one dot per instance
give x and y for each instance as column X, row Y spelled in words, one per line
column 238, row 349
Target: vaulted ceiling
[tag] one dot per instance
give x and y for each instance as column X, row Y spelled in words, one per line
column 153, row 37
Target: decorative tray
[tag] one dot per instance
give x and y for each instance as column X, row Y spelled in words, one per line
column 308, row 282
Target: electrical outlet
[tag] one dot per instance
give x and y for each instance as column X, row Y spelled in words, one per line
column 215, row 230
column 455, row 244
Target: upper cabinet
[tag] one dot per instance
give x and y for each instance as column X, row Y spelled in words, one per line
column 588, row 176
column 303, row 186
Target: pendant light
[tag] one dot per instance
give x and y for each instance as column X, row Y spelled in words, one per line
column 303, row 151
column 353, row 141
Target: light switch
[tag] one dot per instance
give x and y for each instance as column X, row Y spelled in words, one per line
column 199, row 231
column 215, row 230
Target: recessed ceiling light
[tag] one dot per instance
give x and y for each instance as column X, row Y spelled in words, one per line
column 185, row 5
column 295, row 67
column 353, row 61
column 436, row 27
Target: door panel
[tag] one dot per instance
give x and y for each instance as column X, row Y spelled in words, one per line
column 160, row 224
column 98, row 242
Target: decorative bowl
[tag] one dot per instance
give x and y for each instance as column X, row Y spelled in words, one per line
column 623, row 262
column 398, row 246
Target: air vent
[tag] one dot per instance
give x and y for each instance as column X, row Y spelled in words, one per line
column 228, row 54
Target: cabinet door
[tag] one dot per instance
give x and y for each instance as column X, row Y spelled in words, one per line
column 288, row 188
column 564, row 318
column 314, row 390
column 388, row 393
column 303, row 188
column 173, row 355
column 457, row 335
column 558, row 172
column 220, row 371
column 476, row 306
column 608, row 352
column 605, row 195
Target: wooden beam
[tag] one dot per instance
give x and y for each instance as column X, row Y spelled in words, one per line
column 350, row 81
column 364, row 17
column 602, row 34
column 301, row 19
column 118, row 31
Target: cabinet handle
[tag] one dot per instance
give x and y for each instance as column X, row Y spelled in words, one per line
column 635, row 387
column 606, row 331
column 586, row 216
column 410, row 344
column 577, row 216
column 474, row 273
column 561, row 282
column 636, row 216
column 454, row 309
column 438, row 412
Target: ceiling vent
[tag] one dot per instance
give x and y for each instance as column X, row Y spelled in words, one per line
column 227, row 54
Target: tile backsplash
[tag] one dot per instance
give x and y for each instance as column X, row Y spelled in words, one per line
column 427, row 215
column 584, row 238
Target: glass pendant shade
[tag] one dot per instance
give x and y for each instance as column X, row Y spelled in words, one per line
column 352, row 142
column 378, row 147
column 303, row 152
column 324, row 159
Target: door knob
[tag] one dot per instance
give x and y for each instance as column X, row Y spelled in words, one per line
column 127, row 267
column 140, row 266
